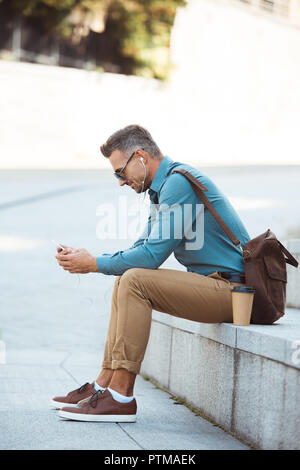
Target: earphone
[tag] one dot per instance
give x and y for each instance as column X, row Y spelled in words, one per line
column 142, row 160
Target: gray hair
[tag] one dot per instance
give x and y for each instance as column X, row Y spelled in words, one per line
column 130, row 138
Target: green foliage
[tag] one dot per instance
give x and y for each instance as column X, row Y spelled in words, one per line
column 140, row 29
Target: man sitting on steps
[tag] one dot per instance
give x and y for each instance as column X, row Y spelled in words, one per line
column 202, row 293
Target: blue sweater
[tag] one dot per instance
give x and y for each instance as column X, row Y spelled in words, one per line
column 179, row 222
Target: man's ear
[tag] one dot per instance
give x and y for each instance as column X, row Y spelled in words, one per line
column 142, row 154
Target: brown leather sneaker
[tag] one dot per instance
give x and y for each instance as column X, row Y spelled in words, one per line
column 102, row 407
column 73, row 397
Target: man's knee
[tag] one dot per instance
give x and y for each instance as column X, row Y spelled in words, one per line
column 132, row 275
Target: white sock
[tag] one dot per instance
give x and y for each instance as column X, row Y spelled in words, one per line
column 121, row 398
column 98, row 387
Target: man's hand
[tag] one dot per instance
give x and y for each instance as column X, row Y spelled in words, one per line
column 78, row 261
column 66, row 249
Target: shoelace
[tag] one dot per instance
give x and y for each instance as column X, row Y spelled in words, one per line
column 80, row 389
column 95, row 397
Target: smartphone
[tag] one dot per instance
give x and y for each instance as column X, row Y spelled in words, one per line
column 57, row 244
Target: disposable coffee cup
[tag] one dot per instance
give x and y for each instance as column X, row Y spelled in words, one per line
column 242, row 301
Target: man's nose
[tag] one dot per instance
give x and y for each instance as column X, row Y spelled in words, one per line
column 122, row 182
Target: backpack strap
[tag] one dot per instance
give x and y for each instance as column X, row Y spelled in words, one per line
column 289, row 258
column 199, row 188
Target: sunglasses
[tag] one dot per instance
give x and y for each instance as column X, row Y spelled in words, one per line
column 118, row 174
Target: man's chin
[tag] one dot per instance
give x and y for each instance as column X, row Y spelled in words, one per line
column 138, row 188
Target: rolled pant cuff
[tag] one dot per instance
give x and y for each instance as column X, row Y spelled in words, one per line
column 106, row 365
column 133, row 367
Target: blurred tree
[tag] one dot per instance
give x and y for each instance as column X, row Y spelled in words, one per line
column 138, row 30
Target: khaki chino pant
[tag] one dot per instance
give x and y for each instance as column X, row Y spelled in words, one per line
column 183, row 294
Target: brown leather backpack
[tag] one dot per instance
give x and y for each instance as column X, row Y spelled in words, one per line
column 265, row 261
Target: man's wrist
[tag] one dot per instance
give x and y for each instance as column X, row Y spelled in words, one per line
column 94, row 266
